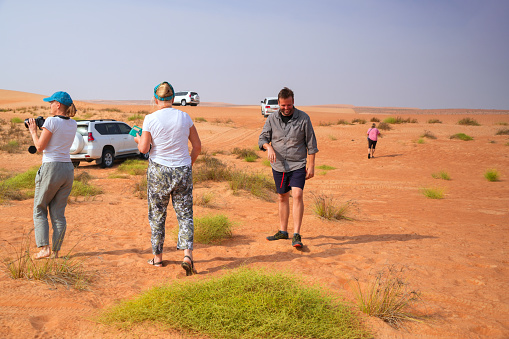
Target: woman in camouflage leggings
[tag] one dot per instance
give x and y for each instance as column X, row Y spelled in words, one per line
column 165, row 134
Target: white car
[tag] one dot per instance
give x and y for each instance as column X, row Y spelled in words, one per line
column 186, row 98
column 269, row 105
column 103, row 141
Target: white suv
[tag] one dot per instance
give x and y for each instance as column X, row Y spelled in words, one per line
column 269, row 105
column 103, row 141
column 186, row 98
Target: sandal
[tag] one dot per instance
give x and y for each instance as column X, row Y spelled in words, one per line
column 152, row 262
column 189, row 268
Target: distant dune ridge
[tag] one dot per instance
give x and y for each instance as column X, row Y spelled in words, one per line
column 10, row 98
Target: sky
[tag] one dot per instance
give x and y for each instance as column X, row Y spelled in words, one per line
column 388, row 53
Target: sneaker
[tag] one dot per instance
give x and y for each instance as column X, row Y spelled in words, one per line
column 278, row 235
column 296, row 241
column 369, row 156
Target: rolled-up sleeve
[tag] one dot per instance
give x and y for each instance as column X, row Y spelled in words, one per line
column 310, row 138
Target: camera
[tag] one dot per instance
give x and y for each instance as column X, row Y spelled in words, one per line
column 39, row 121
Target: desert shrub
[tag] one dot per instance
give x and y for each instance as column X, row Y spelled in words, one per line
column 210, row 168
column 81, row 189
column 389, row 298
column 11, row 146
column 212, row 228
column 492, row 174
column 266, row 162
column 204, row 199
column 247, row 154
column 399, row 120
column 433, row 192
column 18, row 187
column 325, row 207
column 242, row 303
column 325, row 123
column 108, row 109
column 133, row 166
column 17, row 120
column 258, row 185
column 502, row 131
column 135, row 117
column 199, row 119
column 434, row 121
column 333, row 138
column 383, row 126
column 374, row 119
column 428, row 134
column 420, row 141
column 468, row 122
column 461, row 136
column 359, row 121
column 441, row 175
column 343, row 122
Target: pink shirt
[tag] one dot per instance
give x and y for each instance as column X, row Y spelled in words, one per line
column 373, row 133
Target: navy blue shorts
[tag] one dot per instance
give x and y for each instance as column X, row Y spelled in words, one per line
column 371, row 143
column 286, row 180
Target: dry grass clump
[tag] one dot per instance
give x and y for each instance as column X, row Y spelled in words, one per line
column 65, row 271
column 399, row 120
column 326, row 207
column 383, row 126
column 374, row 119
column 358, row 121
column 428, row 134
column 133, row 167
column 211, row 228
column 204, row 200
column 343, row 122
column 200, row 119
column 434, row 121
column 389, row 298
column 18, row 187
column 140, row 188
column 82, row 188
column 503, row 131
column 247, row 154
column 468, row 122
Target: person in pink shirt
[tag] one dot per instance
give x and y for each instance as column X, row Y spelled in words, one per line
column 373, row 134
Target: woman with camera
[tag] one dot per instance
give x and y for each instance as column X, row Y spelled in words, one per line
column 53, row 182
column 165, row 134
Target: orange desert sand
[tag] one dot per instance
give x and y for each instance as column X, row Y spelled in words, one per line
column 454, row 250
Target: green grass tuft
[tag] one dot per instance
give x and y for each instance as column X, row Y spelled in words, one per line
column 244, row 303
column 399, row 120
column 199, row 119
column 134, row 166
column 136, row 117
column 441, row 175
column 247, row 154
column 211, row 228
column 461, row 136
column 434, row 121
column 433, row 192
column 492, row 175
column 326, row 167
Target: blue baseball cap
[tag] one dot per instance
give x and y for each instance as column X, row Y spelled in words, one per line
column 165, row 98
column 62, row 97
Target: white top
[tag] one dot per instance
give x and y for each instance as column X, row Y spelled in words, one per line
column 63, row 132
column 169, row 128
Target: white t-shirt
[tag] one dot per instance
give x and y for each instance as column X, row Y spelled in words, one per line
column 63, row 132
column 169, row 128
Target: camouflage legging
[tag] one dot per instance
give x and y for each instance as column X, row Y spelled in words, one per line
column 163, row 182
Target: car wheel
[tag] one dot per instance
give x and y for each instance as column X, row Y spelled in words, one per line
column 107, row 158
column 75, row 164
column 77, row 144
column 183, row 103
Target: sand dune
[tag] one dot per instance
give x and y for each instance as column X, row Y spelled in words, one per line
column 454, row 250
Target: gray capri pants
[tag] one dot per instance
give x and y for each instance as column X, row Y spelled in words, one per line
column 164, row 182
column 53, row 184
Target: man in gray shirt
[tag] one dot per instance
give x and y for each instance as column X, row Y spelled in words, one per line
column 289, row 139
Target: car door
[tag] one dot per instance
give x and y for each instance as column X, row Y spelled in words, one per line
column 129, row 145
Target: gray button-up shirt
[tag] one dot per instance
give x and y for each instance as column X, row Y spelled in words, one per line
column 292, row 141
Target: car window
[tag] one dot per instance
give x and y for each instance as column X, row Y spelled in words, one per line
column 124, row 128
column 194, row 93
column 180, row 94
column 106, row 129
column 272, row 102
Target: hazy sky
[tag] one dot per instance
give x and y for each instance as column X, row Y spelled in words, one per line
column 404, row 53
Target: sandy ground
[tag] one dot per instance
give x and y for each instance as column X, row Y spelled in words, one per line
column 454, row 250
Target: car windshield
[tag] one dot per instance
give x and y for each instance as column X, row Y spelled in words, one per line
column 272, row 102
